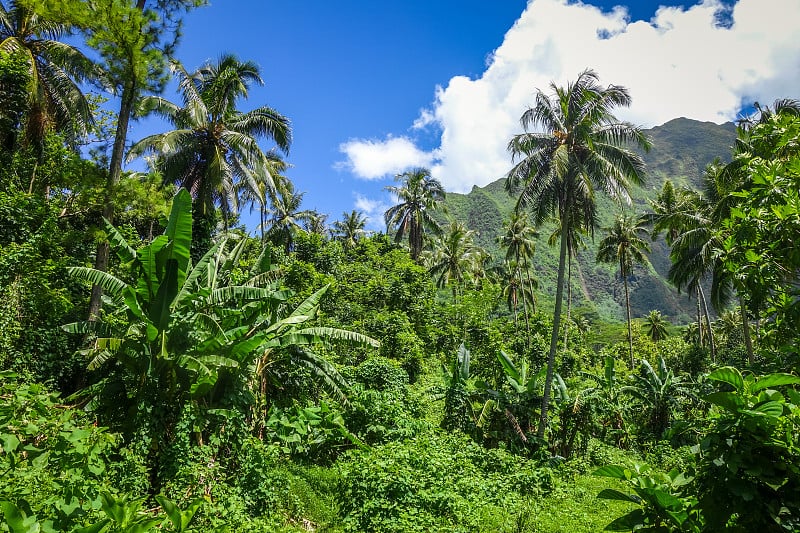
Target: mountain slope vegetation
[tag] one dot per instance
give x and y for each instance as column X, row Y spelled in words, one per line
column 681, row 150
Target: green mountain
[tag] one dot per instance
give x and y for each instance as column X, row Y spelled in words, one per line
column 681, row 150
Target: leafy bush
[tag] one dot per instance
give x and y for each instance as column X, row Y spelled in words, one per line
column 434, row 482
column 380, row 373
column 54, row 461
column 746, row 474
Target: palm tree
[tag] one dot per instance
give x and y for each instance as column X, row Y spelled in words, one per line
column 418, row 196
column 518, row 240
column 694, row 252
column 257, row 192
column 675, row 212
column 515, row 289
column 582, row 147
column 625, row 244
column 316, row 223
column 669, row 212
column 350, row 228
column 55, row 102
column 285, row 215
column 453, row 256
column 214, row 152
column 656, row 326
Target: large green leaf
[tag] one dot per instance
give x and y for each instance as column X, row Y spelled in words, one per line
column 627, row 522
column 125, row 251
column 727, row 400
column 614, row 471
column 309, row 305
column 664, row 499
column 112, row 285
column 774, row 380
column 508, row 366
column 202, row 274
column 611, row 494
column 340, row 335
column 239, row 294
column 160, row 308
column 771, row 408
column 728, row 375
column 179, row 230
column 149, row 274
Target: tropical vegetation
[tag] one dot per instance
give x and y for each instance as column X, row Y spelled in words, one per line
column 333, row 378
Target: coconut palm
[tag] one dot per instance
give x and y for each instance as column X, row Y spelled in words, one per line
column 214, row 152
column 518, row 240
column 257, row 192
column 674, row 212
column 418, row 196
column 669, row 212
column 656, row 326
column 452, row 256
column 316, row 223
column 694, row 252
column 350, row 228
column 581, row 148
column 515, row 289
column 54, row 70
column 625, row 244
column 285, row 216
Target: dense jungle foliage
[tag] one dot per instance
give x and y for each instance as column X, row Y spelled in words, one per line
column 162, row 369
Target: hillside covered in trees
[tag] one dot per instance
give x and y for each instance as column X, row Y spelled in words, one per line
column 682, row 148
column 164, row 369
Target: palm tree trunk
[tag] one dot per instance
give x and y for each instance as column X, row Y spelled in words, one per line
column 708, row 324
column 551, row 356
column 524, row 304
column 516, row 322
column 415, row 238
column 530, row 286
column 628, row 309
column 569, row 297
column 748, row 341
column 699, row 319
column 263, row 214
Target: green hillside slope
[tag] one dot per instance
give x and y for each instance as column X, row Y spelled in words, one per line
column 681, row 150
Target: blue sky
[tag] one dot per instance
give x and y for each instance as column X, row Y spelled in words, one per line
column 373, row 88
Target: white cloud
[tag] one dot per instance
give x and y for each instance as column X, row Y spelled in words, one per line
column 681, row 63
column 373, row 210
column 371, row 159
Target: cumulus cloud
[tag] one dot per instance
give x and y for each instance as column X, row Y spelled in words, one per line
column 372, row 159
column 681, row 63
column 373, row 210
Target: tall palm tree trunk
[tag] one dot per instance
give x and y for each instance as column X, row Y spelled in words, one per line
column 527, row 321
column 516, row 321
column 700, row 336
column 569, row 297
column 628, row 309
column 524, row 304
column 414, row 239
column 708, row 324
column 530, row 286
column 551, row 356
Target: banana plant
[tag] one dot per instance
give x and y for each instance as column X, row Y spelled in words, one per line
column 659, row 391
column 178, row 328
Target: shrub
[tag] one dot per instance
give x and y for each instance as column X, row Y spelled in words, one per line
column 434, row 482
